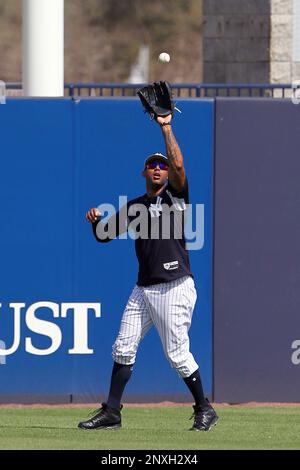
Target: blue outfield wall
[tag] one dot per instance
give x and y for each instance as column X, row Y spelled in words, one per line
column 60, row 157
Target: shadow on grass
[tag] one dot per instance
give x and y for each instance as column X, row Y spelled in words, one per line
column 36, row 427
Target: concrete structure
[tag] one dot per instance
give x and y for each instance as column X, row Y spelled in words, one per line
column 251, row 41
column 43, row 48
column 140, row 70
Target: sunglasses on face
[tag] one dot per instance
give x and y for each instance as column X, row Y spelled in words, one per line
column 153, row 165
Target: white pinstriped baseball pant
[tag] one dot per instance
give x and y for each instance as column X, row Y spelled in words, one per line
column 169, row 307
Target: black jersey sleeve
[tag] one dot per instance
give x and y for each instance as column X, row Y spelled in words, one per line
column 183, row 194
column 115, row 226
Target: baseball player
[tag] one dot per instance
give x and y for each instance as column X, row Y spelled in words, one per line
column 164, row 295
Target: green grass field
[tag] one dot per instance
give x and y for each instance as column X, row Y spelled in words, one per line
column 151, row 428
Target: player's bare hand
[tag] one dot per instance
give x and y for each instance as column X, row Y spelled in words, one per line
column 166, row 119
column 93, row 215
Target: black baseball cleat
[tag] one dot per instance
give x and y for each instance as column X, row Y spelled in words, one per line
column 205, row 417
column 104, row 418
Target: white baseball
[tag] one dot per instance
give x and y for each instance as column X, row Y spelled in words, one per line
column 164, row 57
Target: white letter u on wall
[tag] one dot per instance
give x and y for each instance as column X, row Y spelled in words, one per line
column 17, row 329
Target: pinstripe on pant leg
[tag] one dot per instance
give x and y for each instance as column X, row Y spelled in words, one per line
column 135, row 323
column 171, row 308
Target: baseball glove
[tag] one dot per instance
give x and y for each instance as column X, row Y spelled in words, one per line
column 157, row 99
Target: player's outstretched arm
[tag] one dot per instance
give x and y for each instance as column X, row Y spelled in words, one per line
column 177, row 175
column 94, row 216
column 114, row 227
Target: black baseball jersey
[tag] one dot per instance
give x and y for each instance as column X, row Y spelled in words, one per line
column 157, row 224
